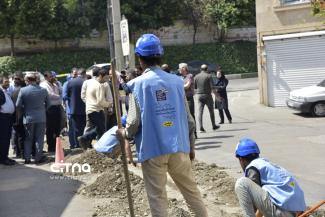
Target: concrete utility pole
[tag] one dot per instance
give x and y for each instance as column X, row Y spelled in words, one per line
column 115, row 15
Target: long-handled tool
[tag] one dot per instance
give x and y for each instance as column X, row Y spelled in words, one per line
column 312, row 209
column 110, row 28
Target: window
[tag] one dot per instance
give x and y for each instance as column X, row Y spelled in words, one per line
column 290, row 2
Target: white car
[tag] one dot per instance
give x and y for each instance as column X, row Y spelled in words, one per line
column 309, row 99
column 89, row 71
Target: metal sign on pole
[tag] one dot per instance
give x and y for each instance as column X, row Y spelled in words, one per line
column 125, row 37
column 125, row 40
column 110, row 27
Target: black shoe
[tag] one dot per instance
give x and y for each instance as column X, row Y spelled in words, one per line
column 202, row 130
column 216, row 127
column 42, row 160
column 230, row 121
column 83, row 143
column 8, row 162
column 28, row 161
column 11, row 160
column 221, row 122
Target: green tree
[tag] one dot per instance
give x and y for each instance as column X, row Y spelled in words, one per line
column 19, row 18
column 193, row 11
column 8, row 21
column 318, row 7
column 58, row 27
column 149, row 14
column 229, row 13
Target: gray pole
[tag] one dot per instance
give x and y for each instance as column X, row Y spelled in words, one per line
column 111, row 36
column 116, row 19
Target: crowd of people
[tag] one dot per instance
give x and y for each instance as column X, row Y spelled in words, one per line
column 83, row 104
column 160, row 120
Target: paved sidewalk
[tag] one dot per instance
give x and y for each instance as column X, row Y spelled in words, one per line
column 289, row 139
column 33, row 191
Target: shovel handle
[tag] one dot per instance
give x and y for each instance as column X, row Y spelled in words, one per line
column 312, row 209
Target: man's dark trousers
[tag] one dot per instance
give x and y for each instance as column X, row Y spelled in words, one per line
column 206, row 99
column 97, row 120
column 6, row 122
column 53, row 126
column 78, row 123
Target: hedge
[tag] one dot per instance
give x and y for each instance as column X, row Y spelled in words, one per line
column 236, row 57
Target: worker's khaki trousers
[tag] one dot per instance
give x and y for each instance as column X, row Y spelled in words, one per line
column 251, row 195
column 178, row 166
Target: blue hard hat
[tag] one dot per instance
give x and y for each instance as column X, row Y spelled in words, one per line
column 149, row 45
column 246, row 147
column 123, row 120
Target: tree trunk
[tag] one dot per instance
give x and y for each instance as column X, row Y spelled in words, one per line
column 195, row 26
column 12, row 45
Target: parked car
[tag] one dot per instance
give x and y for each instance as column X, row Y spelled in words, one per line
column 309, row 99
column 89, row 71
column 195, row 65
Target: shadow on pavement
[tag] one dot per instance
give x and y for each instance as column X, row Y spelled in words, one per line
column 233, row 130
column 306, row 115
column 215, row 137
column 208, row 147
column 206, row 143
column 28, row 191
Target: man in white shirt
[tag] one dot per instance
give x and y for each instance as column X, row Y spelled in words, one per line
column 97, row 96
column 7, row 109
column 53, row 113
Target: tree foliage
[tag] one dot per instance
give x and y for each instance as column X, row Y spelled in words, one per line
column 229, row 13
column 193, row 11
column 149, row 14
column 318, row 8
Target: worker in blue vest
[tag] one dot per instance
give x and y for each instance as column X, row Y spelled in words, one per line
column 267, row 189
column 160, row 121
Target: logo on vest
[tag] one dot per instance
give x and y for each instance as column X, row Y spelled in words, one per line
column 292, row 184
column 168, row 124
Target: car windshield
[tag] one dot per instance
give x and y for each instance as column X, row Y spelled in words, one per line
column 322, row 84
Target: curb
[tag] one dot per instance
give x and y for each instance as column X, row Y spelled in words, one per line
column 241, row 76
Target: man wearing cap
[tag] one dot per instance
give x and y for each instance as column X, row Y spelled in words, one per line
column 31, row 103
column 160, row 122
column 267, row 189
column 203, row 84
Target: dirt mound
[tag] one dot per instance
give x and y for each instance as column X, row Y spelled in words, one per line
column 98, row 162
column 318, row 213
column 216, row 183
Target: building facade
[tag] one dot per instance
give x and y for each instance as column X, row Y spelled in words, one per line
column 290, row 48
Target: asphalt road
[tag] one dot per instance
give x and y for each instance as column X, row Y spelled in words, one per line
column 285, row 137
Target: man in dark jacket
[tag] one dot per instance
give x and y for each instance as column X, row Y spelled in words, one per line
column 7, row 109
column 203, row 84
column 19, row 132
column 76, row 106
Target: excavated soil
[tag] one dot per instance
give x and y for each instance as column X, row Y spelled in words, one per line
column 217, row 185
column 110, row 193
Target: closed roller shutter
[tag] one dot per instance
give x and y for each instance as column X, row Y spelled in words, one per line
column 292, row 63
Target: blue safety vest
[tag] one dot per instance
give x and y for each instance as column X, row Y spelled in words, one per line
column 164, row 125
column 282, row 188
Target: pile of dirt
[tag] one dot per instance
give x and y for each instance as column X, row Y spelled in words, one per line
column 98, row 162
column 318, row 213
column 216, row 183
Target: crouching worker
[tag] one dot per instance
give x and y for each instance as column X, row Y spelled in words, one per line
column 267, row 189
column 109, row 144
